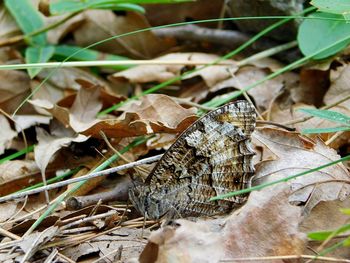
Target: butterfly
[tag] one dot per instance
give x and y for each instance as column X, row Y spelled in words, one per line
column 211, row 157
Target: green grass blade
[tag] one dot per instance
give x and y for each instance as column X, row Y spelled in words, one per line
column 325, row 130
column 323, row 235
column 328, row 115
column 17, row 154
column 51, row 180
column 82, row 54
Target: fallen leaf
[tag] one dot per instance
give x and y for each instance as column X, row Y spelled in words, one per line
column 15, row 87
column 15, row 175
column 160, row 73
column 23, row 122
column 263, row 94
column 153, row 113
column 318, row 220
column 267, row 225
column 8, row 25
column 78, row 112
column 31, row 243
column 65, row 78
column 6, row 134
column 48, row 145
column 102, row 24
column 339, row 87
column 124, row 242
column 56, row 34
column 294, row 154
column 7, row 210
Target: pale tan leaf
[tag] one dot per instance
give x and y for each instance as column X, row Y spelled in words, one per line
column 23, row 122
column 160, row 73
column 102, row 24
column 14, row 88
column 266, row 225
column 294, row 154
column 48, row 145
column 151, row 114
column 8, row 25
column 6, row 134
column 85, row 108
column 16, row 174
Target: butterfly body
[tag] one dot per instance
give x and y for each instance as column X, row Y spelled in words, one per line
column 212, row 157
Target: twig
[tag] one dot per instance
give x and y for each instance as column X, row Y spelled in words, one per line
column 228, row 38
column 117, row 256
column 119, row 192
column 8, row 234
column 190, row 103
column 88, row 219
column 78, row 230
column 334, row 136
column 81, row 178
column 276, row 124
column 259, row 259
column 52, row 256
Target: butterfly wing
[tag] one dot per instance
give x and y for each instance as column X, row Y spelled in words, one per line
column 212, row 157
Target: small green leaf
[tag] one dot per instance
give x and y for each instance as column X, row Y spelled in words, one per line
column 64, row 51
column 317, row 33
column 323, row 235
column 28, row 18
column 320, row 236
column 38, row 55
column 339, row 7
column 346, row 242
column 328, row 115
column 325, row 130
column 345, row 211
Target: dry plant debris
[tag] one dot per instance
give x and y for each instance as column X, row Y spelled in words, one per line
column 66, row 135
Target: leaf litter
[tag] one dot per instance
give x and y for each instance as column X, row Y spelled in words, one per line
column 62, row 120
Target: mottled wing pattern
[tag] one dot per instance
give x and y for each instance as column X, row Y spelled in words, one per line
column 212, row 157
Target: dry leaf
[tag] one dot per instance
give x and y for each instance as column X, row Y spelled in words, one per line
column 7, row 210
column 23, row 122
column 128, row 240
column 65, row 78
column 8, row 25
column 48, row 145
column 6, row 134
column 85, row 108
column 56, row 34
column 151, row 114
column 266, row 226
column 262, row 94
column 14, row 88
column 102, row 24
column 319, row 220
column 31, row 244
column 160, row 73
column 15, row 175
column 294, row 154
